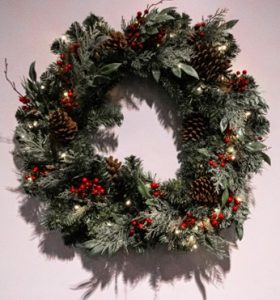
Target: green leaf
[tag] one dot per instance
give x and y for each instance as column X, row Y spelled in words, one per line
column 177, row 71
column 223, row 124
column 110, row 68
column 160, row 18
column 255, row 146
column 142, row 188
column 189, row 70
column 167, row 10
column 156, row 75
column 203, row 151
column 239, row 230
column 225, row 196
column 230, row 24
column 266, row 158
column 32, row 72
column 151, row 30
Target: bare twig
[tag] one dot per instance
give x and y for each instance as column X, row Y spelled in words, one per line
column 13, row 85
column 155, row 4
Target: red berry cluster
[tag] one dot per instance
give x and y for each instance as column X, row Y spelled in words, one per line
column 189, row 220
column 215, row 219
column 35, row 173
column 65, row 67
column 24, row 100
column 139, row 225
column 88, row 187
column 229, row 135
column 222, row 160
column 199, row 28
column 240, row 82
column 155, row 188
column 68, row 101
column 232, row 200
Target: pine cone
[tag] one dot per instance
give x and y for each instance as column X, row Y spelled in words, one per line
column 194, row 127
column 62, row 127
column 209, row 62
column 113, row 166
column 203, row 191
column 117, row 40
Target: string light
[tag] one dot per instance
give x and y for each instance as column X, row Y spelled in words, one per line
column 248, row 114
column 222, row 48
column 64, row 38
column 109, row 224
column 42, row 87
column 35, row 123
column 172, row 35
column 177, row 231
column 128, row 202
column 63, row 155
column 65, row 93
column 77, row 207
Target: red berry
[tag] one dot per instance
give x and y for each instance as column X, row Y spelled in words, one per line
column 102, row 191
column 146, row 11
column 197, row 26
column 140, row 45
column 238, row 73
column 84, row 179
column 139, row 14
column 24, row 99
column 156, row 193
column 229, row 157
column 72, row 189
column 230, row 198
column 203, row 24
column 137, row 34
column 131, row 231
column 244, row 72
column 94, row 192
column 201, row 34
column 133, row 45
column 82, row 186
column 35, row 169
column 95, row 180
column 62, row 55
column 184, row 225
column 140, row 225
column 134, row 222
column 59, row 62
column 235, row 208
column 237, row 202
column 227, row 139
column 214, row 216
column 214, row 223
column 154, row 185
column 149, row 221
column 70, row 93
column 223, row 164
column 88, row 184
column 221, row 216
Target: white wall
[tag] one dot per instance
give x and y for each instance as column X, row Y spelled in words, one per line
column 36, row 265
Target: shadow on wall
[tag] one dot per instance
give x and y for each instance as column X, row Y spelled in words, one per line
column 159, row 264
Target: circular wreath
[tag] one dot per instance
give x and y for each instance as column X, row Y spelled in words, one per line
column 102, row 204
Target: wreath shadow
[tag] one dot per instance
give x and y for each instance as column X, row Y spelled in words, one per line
column 157, row 264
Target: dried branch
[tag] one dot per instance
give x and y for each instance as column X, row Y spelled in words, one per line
column 13, row 85
column 155, row 4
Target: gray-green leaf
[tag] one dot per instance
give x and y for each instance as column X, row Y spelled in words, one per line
column 225, row 196
column 189, row 70
column 177, row 71
column 32, row 72
column 110, row 68
column 230, row 24
column 239, row 230
column 156, row 75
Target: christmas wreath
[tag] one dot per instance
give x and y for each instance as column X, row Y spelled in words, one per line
column 102, row 204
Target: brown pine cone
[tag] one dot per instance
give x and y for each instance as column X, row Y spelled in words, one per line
column 62, row 127
column 203, row 191
column 117, row 40
column 209, row 62
column 113, row 166
column 194, row 127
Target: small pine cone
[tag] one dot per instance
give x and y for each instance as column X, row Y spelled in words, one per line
column 203, row 191
column 194, row 127
column 117, row 40
column 62, row 127
column 113, row 166
column 209, row 62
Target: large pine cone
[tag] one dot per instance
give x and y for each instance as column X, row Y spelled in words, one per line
column 203, row 191
column 62, row 127
column 113, row 166
column 117, row 40
column 194, row 127
column 209, row 62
